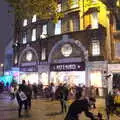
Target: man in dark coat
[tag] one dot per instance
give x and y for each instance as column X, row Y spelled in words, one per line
column 23, row 97
column 77, row 107
column 63, row 98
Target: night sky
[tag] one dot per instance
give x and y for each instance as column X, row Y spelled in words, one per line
column 6, row 27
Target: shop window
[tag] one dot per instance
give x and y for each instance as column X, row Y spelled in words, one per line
column 44, row 78
column 117, row 49
column 74, row 4
column 44, row 31
column 59, row 9
column 96, row 78
column 43, row 57
column 34, row 18
column 58, row 27
column 34, row 34
column 94, row 20
column 24, row 41
column 25, row 22
column 95, row 47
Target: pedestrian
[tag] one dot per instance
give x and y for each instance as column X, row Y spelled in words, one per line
column 80, row 105
column 63, row 98
column 22, row 100
column 35, row 90
column 92, row 97
column 22, row 97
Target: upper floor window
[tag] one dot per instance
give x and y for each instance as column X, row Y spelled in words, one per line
column 34, row 18
column 44, row 31
column 95, row 47
column 59, row 8
column 94, row 20
column 117, row 24
column 74, row 23
column 34, row 34
column 58, row 27
column 117, row 49
column 43, row 57
column 25, row 22
column 24, row 41
column 74, row 4
column 118, row 3
column 94, row 1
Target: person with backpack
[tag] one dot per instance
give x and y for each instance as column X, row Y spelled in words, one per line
column 23, row 97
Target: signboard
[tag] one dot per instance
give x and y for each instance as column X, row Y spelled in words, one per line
column 68, row 67
column 29, row 69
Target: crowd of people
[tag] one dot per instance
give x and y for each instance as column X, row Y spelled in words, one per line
column 84, row 97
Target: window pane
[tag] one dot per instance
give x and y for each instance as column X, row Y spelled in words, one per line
column 24, row 38
column 58, row 27
column 44, row 31
column 34, row 18
column 74, row 4
column 117, row 49
column 34, row 35
column 59, row 8
column 25, row 22
column 95, row 48
column 43, row 57
column 94, row 20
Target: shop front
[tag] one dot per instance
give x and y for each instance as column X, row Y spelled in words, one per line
column 114, row 79
column 28, row 73
column 28, row 65
column 70, row 73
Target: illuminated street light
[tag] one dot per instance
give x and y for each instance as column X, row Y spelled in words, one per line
column 2, row 66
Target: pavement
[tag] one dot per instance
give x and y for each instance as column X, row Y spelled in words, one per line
column 42, row 109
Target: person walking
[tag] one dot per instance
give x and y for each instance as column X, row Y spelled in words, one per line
column 22, row 96
column 63, row 98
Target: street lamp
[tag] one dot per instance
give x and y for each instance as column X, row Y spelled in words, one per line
column 2, row 66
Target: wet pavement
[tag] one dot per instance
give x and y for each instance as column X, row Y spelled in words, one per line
column 42, row 109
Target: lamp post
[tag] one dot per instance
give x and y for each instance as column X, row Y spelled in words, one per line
column 2, row 66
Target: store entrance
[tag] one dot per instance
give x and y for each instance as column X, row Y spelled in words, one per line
column 70, row 77
column 116, row 80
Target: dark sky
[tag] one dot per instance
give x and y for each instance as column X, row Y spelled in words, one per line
column 6, row 27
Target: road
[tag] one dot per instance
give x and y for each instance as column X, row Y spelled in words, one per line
column 42, row 109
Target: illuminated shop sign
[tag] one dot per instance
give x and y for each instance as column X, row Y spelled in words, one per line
column 29, row 69
column 68, row 67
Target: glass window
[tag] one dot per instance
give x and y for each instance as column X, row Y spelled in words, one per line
column 96, row 78
column 44, row 31
column 25, row 22
column 94, row 20
column 117, row 24
column 24, row 38
column 117, row 49
column 95, row 48
column 74, row 24
column 43, row 57
column 34, row 34
column 74, row 3
column 59, row 8
column 34, row 18
column 58, row 27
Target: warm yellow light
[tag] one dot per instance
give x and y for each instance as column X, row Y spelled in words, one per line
column 1, row 65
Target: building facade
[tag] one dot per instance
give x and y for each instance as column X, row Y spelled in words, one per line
column 78, row 49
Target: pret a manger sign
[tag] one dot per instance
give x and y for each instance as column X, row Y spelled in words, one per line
column 68, row 67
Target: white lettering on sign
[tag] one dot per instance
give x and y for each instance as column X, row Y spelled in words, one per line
column 28, row 64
